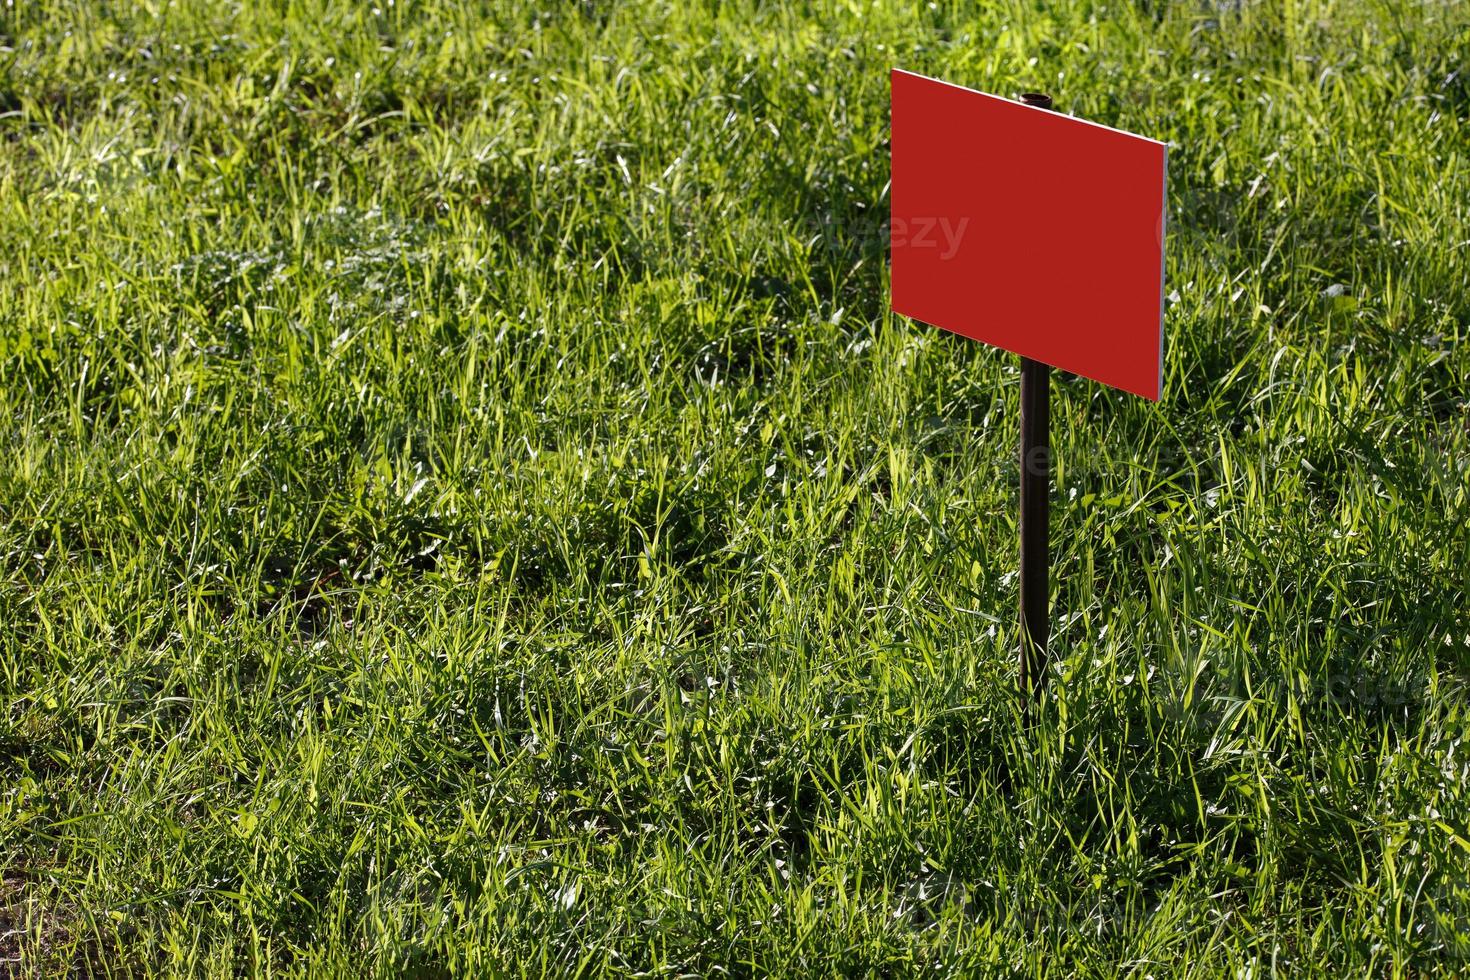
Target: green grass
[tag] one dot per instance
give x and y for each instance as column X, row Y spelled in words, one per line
column 465, row 507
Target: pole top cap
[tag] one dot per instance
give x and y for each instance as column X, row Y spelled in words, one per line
column 1039, row 100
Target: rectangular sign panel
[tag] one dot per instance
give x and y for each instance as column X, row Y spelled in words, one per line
column 1030, row 230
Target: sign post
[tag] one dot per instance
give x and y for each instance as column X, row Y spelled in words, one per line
column 1035, row 508
column 1072, row 277
column 1035, row 522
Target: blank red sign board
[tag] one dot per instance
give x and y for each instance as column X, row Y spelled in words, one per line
column 1029, row 230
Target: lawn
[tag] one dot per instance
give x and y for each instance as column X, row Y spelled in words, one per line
column 467, row 509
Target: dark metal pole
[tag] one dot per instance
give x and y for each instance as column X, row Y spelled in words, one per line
column 1035, row 522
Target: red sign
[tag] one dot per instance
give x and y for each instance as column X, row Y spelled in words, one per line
column 1029, row 230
